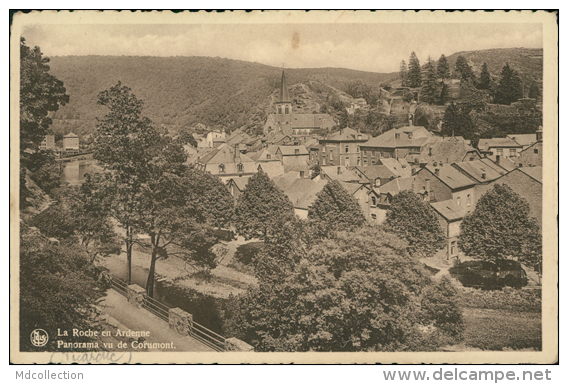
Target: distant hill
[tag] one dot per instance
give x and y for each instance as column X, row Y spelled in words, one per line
column 527, row 62
column 183, row 91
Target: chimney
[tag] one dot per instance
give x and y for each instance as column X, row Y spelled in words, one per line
column 339, row 170
column 498, row 159
column 484, row 175
column 437, row 171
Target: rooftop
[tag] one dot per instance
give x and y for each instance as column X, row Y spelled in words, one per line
column 414, row 136
column 476, row 169
column 303, row 192
column 340, row 173
column 534, row 172
column 224, row 155
column 449, row 210
column 395, row 186
column 497, row 142
column 373, row 172
column 347, row 134
column 290, row 150
column 524, row 139
column 450, row 176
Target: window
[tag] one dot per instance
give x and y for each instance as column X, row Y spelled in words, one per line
column 301, row 174
column 358, row 148
column 279, row 110
column 296, row 151
column 372, row 153
column 458, row 201
column 386, row 155
column 364, row 153
column 347, row 161
column 536, row 150
column 323, row 149
column 512, row 152
column 287, row 110
column 268, row 156
column 365, row 162
column 221, row 168
column 414, row 150
column 373, row 200
column 346, row 148
column 240, row 167
column 453, row 248
column 500, row 151
column 468, row 200
column 377, row 182
column 358, row 161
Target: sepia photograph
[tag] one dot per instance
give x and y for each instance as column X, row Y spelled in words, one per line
column 378, row 185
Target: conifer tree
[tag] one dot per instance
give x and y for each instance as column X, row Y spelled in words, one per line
column 463, row 68
column 430, row 92
column 414, row 72
column 443, row 70
column 534, row 92
column 510, row 87
column 403, row 73
column 484, row 78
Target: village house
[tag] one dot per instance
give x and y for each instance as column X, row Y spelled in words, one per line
column 71, row 143
column 342, row 148
column 375, row 175
column 450, row 216
column 399, row 167
column 294, row 124
column 367, row 198
column 396, row 143
column 525, row 139
column 215, row 138
column 226, row 163
column 482, row 172
column 502, row 147
column 276, row 138
column 273, row 168
column 445, row 150
column 302, row 193
column 338, row 173
column 48, row 143
column 387, row 192
column 527, row 182
column 294, row 158
column 442, row 182
column 531, row 156
column 237, row 186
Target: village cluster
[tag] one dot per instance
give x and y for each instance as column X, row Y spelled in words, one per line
column 447, row 172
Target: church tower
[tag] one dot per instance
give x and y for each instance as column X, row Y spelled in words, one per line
column 283, row 102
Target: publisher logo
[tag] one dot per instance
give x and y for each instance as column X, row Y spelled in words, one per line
column 39, row 337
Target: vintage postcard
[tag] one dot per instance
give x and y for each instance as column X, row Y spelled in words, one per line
column 284, row 187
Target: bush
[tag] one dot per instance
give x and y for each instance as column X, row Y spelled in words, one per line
column 246, row 253
column 509, row 299
column 440, row 304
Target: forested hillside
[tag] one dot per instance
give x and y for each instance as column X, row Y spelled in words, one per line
column 526, row 61
column 183, row 91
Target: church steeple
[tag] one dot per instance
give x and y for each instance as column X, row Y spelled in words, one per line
column 283, row 102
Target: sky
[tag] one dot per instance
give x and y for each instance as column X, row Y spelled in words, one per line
column 377, row 47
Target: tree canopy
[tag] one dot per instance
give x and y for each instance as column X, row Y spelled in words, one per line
column 443, row 68
column 484, row 78
column 260, row 207
column 336, row 209
column 414, row 72
column 457, row 121
column 355, row 292
column 430, row 92
column 416, row 222
column 403, row 73
column 510, row 87
column 501, row 227
column 57, row 290
column 463, row 69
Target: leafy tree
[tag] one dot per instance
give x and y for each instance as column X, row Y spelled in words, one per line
column 43, row 170
column 315, row 171
column 510, row 87
column 403, row 73
column 260, row 207
column 336, row 209
column 57, row 290
column 414, row 72
column 126, row 143
column 457, row 121
column 501, row 227
column 440, row 303
column 355, row 292
column 464, row 70
column 40, row 94
column 534, row 91
column 186, row 137
column 484, row 78
column 430, row 92
column 443, row 70
column 55, row 221
column 214, row 200
column 416, row 222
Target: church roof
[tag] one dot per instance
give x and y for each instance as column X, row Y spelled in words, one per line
column 283, row 96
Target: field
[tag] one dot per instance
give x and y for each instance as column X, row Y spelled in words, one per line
column 502, row 320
